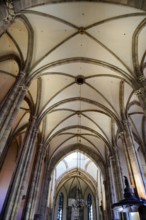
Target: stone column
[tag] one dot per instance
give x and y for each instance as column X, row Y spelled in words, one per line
column 112, row 178
column 32, row 193
column 141, row 91
column 118, row 175
column 9, row 109
column 133, row 163
column 11, row 98
column 14, row 194
column 108, row 194
column 114, row 184
column 97, row 209
column 44, row 197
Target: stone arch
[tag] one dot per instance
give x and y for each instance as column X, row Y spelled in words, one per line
column 91, row 153
column 23, row 4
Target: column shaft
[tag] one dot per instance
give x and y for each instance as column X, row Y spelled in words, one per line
column 108, row 194
column 44, row 198
column 32, row 193
column 116, row 176
column 15, row 190
column 9, row 110
column 134, row 165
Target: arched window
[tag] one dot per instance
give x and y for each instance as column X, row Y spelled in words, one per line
column 60, row 207
column 90, row 207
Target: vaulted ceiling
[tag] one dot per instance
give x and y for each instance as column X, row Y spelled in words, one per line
column 81, row 59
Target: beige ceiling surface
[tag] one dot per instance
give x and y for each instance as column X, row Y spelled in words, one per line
column 92, row 41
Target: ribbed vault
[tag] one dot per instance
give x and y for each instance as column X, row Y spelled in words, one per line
column 63, row 42
column 81, row 65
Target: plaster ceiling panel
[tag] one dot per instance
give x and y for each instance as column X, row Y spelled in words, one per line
column 18, row 34
column 51, row 85
column 86, row 122
column 85, row 13
column 91, row 146
column 116, row 33
column 7, row 46
column 96, row 95
column 54, row 118
column 136, row 124
column 68, row 184
column 76, row 182
column 82, row 46
column 48, row 34
column 64, row 140
column 73, row 105
column 103, row 121
column 68, row 93
column 111, row 92
column 24, row 105
column 78, row 104
column 9, row 66
column 66, row 124
column 5, row 84
column 87, row 68
column 94, row 143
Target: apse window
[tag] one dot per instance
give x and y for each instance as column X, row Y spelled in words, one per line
column 60, row 207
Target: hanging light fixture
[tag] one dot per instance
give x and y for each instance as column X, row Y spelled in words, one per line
column 77, row 203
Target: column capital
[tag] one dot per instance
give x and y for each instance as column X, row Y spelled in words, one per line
column 23, row 87
column 121, row 133
column 32, row 118
column 22, row 73
column 9, row 14
column 142, row 78
column 10, row 9
column 111, row 157
column 115, row 148
column 125, row 122
column 139, row 91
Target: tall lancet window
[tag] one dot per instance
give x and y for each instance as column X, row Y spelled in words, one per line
column 60, row 207
column 90, row 207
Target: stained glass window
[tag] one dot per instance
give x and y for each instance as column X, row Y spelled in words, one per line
column 90, row 207
column 60, row 207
